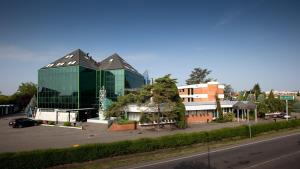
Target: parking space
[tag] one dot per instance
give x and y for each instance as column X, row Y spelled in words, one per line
column 41, row 137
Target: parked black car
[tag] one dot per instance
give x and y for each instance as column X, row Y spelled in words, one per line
column 22, row 122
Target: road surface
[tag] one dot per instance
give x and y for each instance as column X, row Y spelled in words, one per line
column 277, row 153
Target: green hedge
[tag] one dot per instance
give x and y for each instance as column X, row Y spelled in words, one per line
column 52, row 157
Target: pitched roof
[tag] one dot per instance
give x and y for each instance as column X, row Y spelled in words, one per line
column 115, row 62
column 77, row 57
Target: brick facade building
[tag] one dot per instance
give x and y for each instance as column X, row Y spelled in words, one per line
column 201, row 92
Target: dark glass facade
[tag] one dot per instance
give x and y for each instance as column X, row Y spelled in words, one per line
column 117, row 82
column 133, row 80
column 70, row 87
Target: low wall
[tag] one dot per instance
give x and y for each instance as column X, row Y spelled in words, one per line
column 122, row 127
column 51, row 116
column 199, row 118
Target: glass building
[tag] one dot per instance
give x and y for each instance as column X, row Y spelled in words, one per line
column 73, row 81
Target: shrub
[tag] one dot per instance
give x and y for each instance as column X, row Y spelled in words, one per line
column 124, row 121
column 182, row 124
column 67, row 123
column 51, row 122
column 52, row 157
column 228, row 117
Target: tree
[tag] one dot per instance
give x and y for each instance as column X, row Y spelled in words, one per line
column 24, row 94
column 261, row 97
column 163, row 94
column 228, row 92
column 270, row 104
column 271, row 95
column 219, row 108
column 298, row 94
column 243, row 95
column 199, row 75
column 256, row 90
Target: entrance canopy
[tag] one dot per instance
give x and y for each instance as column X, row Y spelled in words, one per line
column 244, row 105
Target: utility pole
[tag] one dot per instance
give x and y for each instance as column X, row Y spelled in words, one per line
column 208, row 152
column 287, row 110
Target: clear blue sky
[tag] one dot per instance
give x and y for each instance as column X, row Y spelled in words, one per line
column 242, row 42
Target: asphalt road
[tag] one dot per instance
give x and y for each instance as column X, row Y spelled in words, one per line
column 277, row 153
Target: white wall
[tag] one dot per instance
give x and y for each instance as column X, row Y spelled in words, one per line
column 51, row 116
column 134, row 116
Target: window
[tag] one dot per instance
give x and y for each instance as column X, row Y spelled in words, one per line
column 60, row 64
column 69, row 56
column 71, row 62
column 50, row 65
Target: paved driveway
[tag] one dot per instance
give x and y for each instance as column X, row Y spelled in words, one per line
column 40, row 137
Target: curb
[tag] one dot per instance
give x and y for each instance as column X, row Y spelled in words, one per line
column 48, row 125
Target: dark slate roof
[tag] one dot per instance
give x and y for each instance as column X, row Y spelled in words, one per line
column 77, row 57
column 115, row 62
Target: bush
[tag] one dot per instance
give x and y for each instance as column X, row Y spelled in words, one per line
column 228, row 117
column 67, row 123
column 51, row 122
column 52, row 157
column 182, row 124
column 124, row 121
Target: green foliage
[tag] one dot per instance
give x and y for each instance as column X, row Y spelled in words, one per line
column 116, row 109
column 5, row 99
column 261, row 97
column 296, row 105
column 145, row 118
column 219, row 108
column 22, row 97
column 256, row 90
column 265, row 127
column 271, row 105
column 67, row 123
column 228, row 92
column 162, row 94
column 125, row 121
column 243, row 95
column 271, row 95
column 298, row 93
column 228, row 117
column 199, row 75
column 52, row 157
column 51, row 122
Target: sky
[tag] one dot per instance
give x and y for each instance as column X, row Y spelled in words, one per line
column 243, row 42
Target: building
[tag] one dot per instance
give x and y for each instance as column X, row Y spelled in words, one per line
column 200, row 103
column 6, row 109
column 71, row 84
column 199, row 112
column 201, row 92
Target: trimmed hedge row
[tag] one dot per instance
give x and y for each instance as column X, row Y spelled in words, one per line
column 52, row 157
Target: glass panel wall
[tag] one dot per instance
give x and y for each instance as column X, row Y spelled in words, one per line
column 58, row 87
column 87, row 88
column 133, row 80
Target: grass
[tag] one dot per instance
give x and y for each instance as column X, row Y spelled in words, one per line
column 141, row 158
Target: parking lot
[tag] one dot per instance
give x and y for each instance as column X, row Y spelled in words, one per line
column 41, row 137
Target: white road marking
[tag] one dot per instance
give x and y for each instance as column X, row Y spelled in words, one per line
column 274, row 159
column 214, row 151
